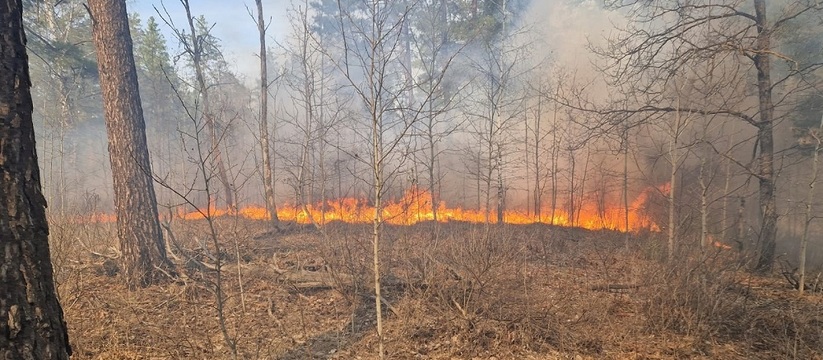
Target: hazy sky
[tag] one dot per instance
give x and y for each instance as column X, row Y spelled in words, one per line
column 562, row 27
column 233, row 25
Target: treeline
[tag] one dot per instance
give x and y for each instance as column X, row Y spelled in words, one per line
column 709, row 110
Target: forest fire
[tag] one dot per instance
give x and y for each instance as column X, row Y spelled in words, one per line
column 415, row 206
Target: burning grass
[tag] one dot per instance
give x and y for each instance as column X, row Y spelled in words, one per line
column 455, row 291
column 416, row 206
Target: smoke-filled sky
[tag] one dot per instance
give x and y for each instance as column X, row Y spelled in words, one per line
column 563, row 26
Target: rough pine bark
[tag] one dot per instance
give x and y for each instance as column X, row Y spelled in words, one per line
column 138, row 227
column 31, row 319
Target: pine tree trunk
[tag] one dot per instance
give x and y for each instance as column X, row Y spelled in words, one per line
column 31, row 319
column 138, row 227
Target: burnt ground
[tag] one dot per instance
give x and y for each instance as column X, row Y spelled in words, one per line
column 451, row 291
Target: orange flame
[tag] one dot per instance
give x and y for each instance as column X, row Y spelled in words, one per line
column 416, row 206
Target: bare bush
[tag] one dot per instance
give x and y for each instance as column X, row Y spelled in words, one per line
column 708, row 297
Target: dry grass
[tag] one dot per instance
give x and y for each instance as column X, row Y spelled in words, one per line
column 455, row 291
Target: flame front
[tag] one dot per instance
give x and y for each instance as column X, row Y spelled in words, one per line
column 416, row 206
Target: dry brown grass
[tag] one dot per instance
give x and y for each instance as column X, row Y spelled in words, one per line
column 456, row 291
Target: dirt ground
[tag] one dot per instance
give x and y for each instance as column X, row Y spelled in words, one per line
column 451, row 291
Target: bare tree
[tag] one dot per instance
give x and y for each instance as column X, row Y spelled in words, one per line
column 370, row 64
column 663, row 37
column 33, row 325
column 265, row 148
column 305, row 80
column 540, row 151
column 431, row 40
column 138, row 227
column 197, row 45
column 675, row 159
column 496, row 110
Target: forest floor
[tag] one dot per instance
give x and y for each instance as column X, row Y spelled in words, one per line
column 451, row 291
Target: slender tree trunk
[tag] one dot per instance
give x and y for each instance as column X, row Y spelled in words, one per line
column 304, row 166
column 501, row 187
column 433, row 176
column 265, row 148
column 65, row 119
column 627, row 235
column 489, row 174
column 377, row 168
column 538, row 189
column 674, row 158
column 724, row 217
column 323, row 180
column 572, row 192
column 555, row 158
column 768, row 204
column 479, row 197
column 32, row 325
column 582, row 199
column 704, row 205
column 804, row 241
column 528, row 165
column 307, row 94
column 138, row 227
column 196, row 52
column 407, row 60
column 741, row 225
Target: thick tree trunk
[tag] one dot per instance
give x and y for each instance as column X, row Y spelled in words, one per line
column 31, row 319
column 268, row 176
column 768, row 204
column 138, row 227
